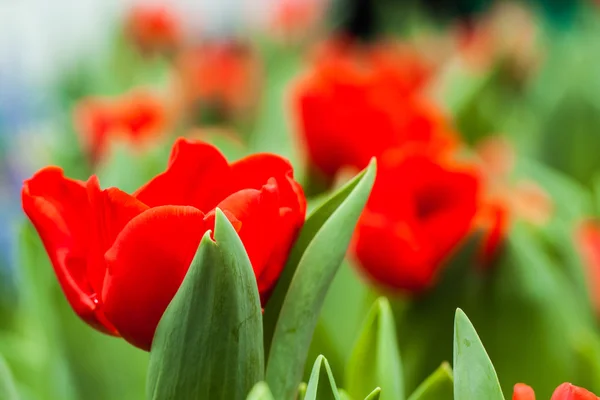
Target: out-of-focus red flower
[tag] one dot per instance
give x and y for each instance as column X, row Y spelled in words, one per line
column 587, row 240
column 420, row 209
column 504, row 200
column 566, row 391
column 154, row 28
column 120, row 258
column 222, row 75
column 137, row 117
column 355, row 103
column 296, row 18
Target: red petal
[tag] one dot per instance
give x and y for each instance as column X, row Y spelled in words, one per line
column 258, row 212
column 146, row 266
column 111, row 210
column 254, row 171
column 567, row 391
column 197, row 175
column 523, row 392
column 59, row 209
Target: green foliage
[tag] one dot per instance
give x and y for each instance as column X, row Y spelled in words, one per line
column 438, row 386
column 260, row 391
column 292, row 312
column 321, row 385
column 474, row 374
column 209, row 343
column 375, row 359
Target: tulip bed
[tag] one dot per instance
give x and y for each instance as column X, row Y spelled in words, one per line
column 394, row 211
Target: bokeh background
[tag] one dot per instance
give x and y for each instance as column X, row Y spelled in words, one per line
column 518, row 79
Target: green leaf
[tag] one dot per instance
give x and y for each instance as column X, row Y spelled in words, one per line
column 321, row 385
column 208, row 344
column 375, row 359
column 293, row 311
column 439, row 386
column 260, row 391
column 474, row 374
column 374, row 395
column 8, row 391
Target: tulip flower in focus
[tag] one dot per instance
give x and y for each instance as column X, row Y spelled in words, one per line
column 223, row 77
column 120, row 258
column 354, row 103
column 137, row 117
column 566, row 391
column 420, row 209
column 153, row 28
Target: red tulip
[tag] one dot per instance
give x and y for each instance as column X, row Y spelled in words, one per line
column 120, row 258
column 356, row 103
column 154, row 28
column 566, row 391
column 137, row 116
column 588, row 243
column 420, row 209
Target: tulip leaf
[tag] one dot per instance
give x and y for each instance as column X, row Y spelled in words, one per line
column 374, row 395
column 375, row 359
column 8, row 391
column 438, row 386
column 260, row 391
column 321, row 385
column 208, row 344
column 474, row 374
column 293, row 312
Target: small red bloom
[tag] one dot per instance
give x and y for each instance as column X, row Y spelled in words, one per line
column 120, row 258
column 221, row 74
column 566, row 391
column 154, row 28
column 420, row 209
column 588, row 243
column 136, row 117
column 355, row 103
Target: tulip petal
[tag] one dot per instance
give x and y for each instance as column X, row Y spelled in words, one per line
column 197, row 175
column 258, row 212
column 146, row 266
column 523, row 392
column 567, row 391
column 253, row 171
column 59, row 209
column 111, row 210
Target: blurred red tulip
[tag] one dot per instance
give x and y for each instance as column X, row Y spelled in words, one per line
column 120, row 258
column 523, row 392
column 137, row 117
column 296, row 18
column 420, row 209
column 223, row 75
column 153, row 28
column 355, row 103
column 588, row 243
column 566, row 391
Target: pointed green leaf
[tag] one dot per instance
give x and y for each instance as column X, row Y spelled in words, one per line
column 301, row 291
column 375, row 359
column 321, row 385
column 260, row 391
column 439, row 386
column 474, row 374
column 208, row 344
column 8, row 391
column 374, row 395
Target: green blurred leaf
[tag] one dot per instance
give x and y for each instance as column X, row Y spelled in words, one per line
column 374, row 395
column 8, row 391
column 474, row 374
column 321, row 385
column 375, row 359
column 260, row 391
column 438, row 386
column 313, row 263
column 208, row 344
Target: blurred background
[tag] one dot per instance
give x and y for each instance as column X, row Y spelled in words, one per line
column 516, row 79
